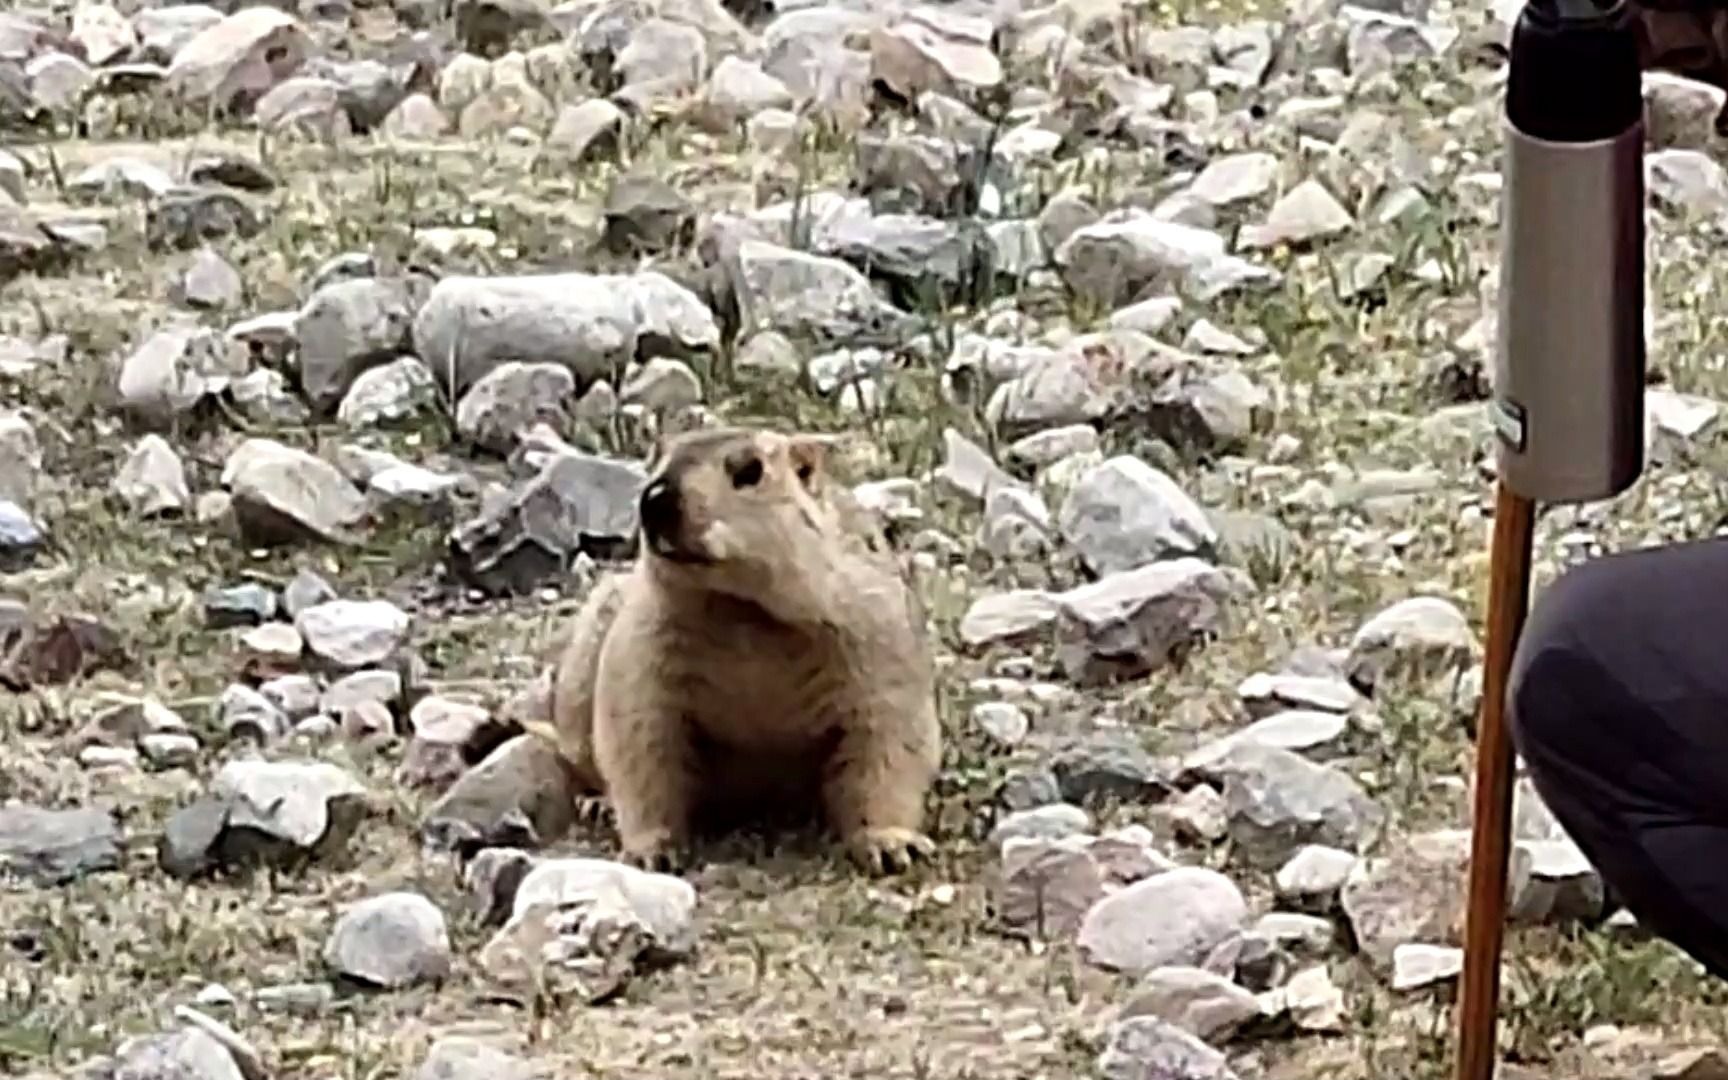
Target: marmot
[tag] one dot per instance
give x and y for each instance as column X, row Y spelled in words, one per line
column 763, row 650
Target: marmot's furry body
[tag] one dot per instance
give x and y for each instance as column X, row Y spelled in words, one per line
column 763, row 649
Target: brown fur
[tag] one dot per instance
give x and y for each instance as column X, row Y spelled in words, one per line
column 766, row 652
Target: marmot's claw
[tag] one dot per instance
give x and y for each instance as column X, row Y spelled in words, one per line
column 889, row 851
column 658, row 857
column 592, row 811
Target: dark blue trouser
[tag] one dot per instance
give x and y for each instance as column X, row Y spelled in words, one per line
column 1619, row 706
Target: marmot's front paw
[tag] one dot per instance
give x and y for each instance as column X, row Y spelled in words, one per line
column 659, row 853
column 889, row 851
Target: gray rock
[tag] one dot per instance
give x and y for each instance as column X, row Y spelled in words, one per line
column 245, row 1055
column 1047, row 885
column 1198, row 814
column 265, row 397
column 347, row 327
column 416, row 117
column 1117, row 259
column 1147, row 1048
column 1206, row 1005
column 1690, row 181
column 918, row 174
column 1066, row 213
column 1175, row 917
column 1415, row 965
column 13, row 177
column 298, row 802
column 935, row 49
column 671, row 57
column 582, row 927
column 520, row 795
column 1681, row 112
column 191, row 216
column 274, row 645
column 264, row 812
column 671, row 321
column 53, row 847
column 492, row 878
column 248, row 714
column 353, row 691
column 168, row 750
column 152, row 480
column 1310, row 999
column 306, row 589
column 1304, row 214
column 1235, row 178
column 469, row 326
column 209, row 282
column 1124, row 513
column 189, row 1054
column 663, row 385
column 20, row 458
column 921, row 255
column 388, row 394
column 1024, row 787
column 1017, row 524
column 1279, row 801
column 1565, row 885
column 1135, row 621
column 590, row 128
column 1109, row 765
column 1004, row 721
column 447, row 734
column 393, row 940
column 102, row 33
column 245, row 53
column 175, row 369
column 282, row 494
column 578, row 503
column 1292, row 729
column 456, row 1057
column 58, row 83
column 191, row 837
column 810, row 297
column 297, row 696
column 1050, row 822
column 367, row 90
column 1312, row 877
column 1415, row 892
column 1265, row 693
column 353, row 634
column 645, row 215
column 305, row 106
column 739, row 89
column 1207, row 410
column 1419, row 637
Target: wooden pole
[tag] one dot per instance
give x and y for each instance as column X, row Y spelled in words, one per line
column 1491, row 827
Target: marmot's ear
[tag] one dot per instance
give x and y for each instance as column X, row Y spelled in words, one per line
column 809, row 456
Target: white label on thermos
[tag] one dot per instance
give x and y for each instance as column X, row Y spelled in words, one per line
column 1508, row 422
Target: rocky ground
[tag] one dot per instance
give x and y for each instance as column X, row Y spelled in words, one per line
column 332, row 339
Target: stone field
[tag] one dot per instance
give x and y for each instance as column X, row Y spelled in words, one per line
column 334, row 335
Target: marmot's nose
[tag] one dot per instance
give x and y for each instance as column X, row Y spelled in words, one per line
column 659, row 509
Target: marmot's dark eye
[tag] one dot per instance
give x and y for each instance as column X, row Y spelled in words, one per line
column 748, row 474
column 804, row 472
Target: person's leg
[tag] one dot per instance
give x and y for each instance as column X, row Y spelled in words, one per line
column 1618, row 703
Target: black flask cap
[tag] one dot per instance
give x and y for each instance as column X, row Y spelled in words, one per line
column 1575, row 74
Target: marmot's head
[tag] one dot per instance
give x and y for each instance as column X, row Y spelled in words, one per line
column 740, row 511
